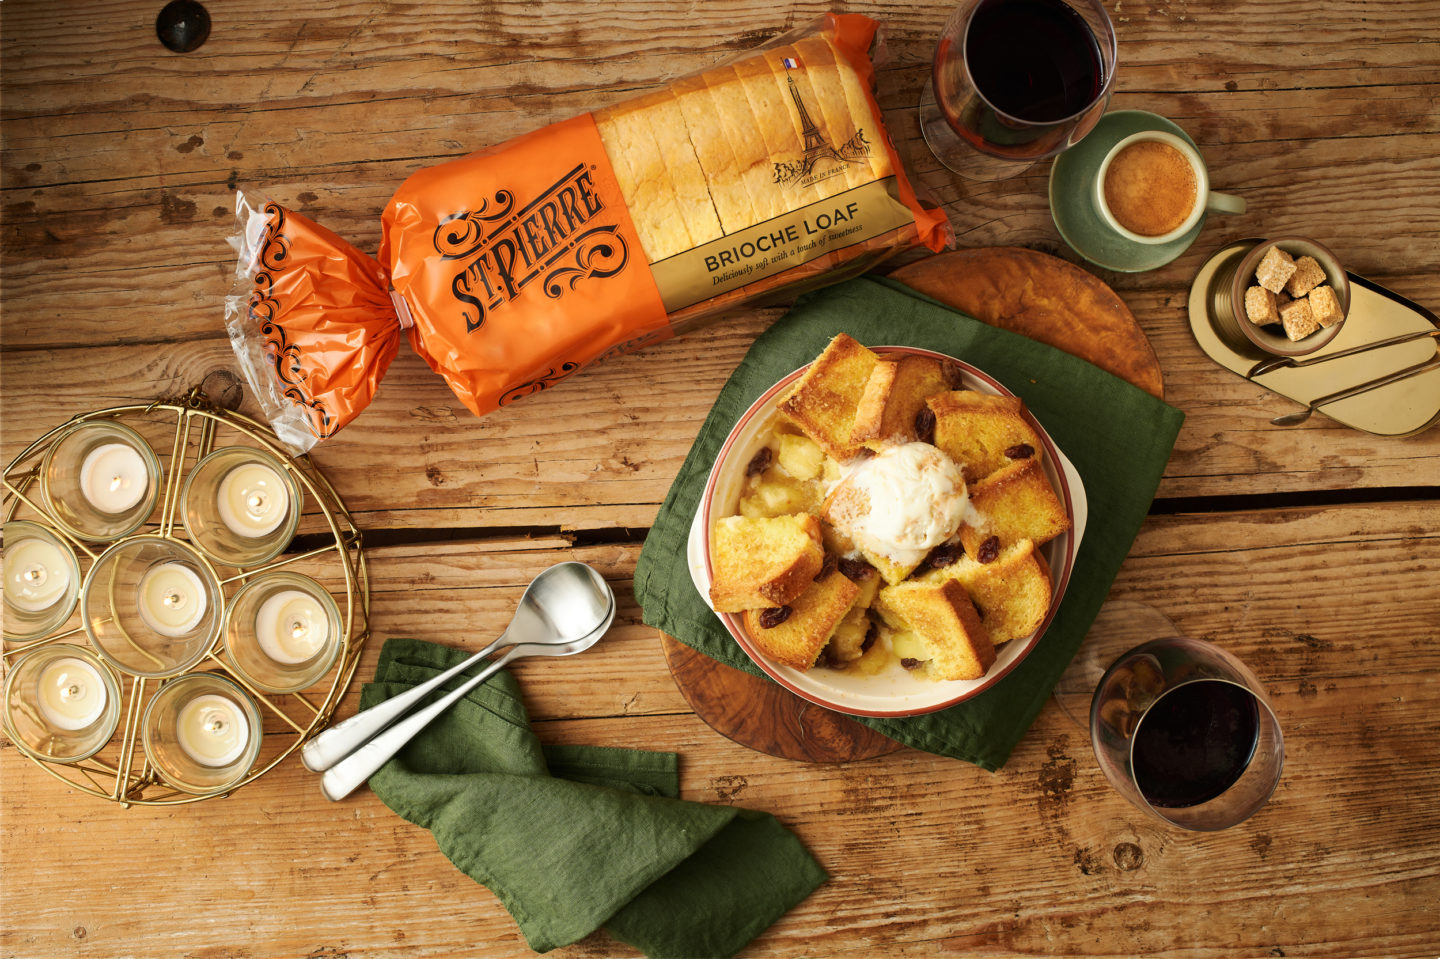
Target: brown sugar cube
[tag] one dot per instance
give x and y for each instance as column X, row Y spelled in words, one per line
column 1325, row 306
column 1275, row 270
column 1260, row 306
column 1299, row 322
column 1308, row 275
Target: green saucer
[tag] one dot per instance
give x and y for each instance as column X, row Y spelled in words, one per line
column 1072, row 206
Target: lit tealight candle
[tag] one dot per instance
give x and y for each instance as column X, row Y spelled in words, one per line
column 113, row 477
column 252, row 500
column 171, row 599
column 36, row 575
column 71, row 694
column 291, row 626
column 212, row 729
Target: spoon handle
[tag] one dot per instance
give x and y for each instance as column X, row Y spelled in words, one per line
column 343, row 778
column 342, row 739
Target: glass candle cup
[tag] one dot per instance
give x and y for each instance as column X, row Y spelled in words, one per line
column 62, row 704
column 201, row 732
column 241, row 506
column 152, row 607
column 100, row 480
column 282, row 632
column 1183, row 730
column 42, row 581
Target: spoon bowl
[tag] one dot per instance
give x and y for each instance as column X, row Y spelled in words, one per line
column 567, row 605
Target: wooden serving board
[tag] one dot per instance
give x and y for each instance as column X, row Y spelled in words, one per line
column 1034, row 294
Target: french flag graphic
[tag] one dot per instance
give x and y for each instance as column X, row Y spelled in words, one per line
column 790, row 63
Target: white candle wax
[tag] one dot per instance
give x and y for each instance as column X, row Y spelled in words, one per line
column 212, row 729
column 291, row 626
column 36, row 575
column 252, row 500
column 113, row 477
column 171, row 599
column 71, row 694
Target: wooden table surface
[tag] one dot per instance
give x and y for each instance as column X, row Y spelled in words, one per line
column 1311, row 552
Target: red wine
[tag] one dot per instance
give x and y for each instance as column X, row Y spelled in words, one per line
column 1194, row 743
column 1036, row 66
column 1033, row 59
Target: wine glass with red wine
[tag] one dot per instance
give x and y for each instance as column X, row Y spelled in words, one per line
column 1015, row 81
column 1184, row 730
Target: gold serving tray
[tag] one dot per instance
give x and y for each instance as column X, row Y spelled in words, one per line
column 121, row 772
column 1399, row 408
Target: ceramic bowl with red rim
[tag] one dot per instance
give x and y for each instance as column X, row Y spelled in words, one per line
column 894, row 691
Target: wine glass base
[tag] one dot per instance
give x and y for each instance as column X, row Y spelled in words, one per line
column 1121, row 626
column 955, row 154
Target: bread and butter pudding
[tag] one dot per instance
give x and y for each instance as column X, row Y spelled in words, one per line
column 888, row 516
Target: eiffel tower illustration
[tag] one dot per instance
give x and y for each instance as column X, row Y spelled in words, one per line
column 815, row 144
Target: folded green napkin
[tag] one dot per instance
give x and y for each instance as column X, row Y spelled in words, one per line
column 573, row 838
column 1119, row 438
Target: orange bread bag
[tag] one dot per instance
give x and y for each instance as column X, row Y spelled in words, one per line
column 510, row 268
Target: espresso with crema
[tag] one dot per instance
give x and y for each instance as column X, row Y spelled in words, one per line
column 1150, row 188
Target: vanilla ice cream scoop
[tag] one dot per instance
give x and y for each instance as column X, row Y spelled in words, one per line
column 900, row 503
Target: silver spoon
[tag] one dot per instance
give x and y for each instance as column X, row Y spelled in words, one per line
column 562, row 606
column 343, row 778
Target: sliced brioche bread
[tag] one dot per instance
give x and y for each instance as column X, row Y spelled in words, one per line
column 822, row 402
column 944, row 619
column 763, row 561
column 895, row 394
column 1012, row 593
column 797, row 638
column 982, row 432
column 1014, row 503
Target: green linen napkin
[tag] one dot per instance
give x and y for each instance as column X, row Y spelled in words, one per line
column 1118, row 436
column 573, row 838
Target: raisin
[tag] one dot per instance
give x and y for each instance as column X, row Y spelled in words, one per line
column 946, row 554
column 760, row 462
column 827, row 567
column 909, row 663
column 1020, row 451
column 925, row 425
column 774, row 616
column 989, row 549
column 856, row 570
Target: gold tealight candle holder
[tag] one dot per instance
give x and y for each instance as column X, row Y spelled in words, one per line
column 282, row 632
column 201, row 733
column 241, row 506
column 62, row 704
column 152, row 607
column 42, row 581
column 100, row 480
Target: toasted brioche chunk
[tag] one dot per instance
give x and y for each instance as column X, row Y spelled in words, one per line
column 942, row 616
column 982, row 432
column 822, row 402
column 1012, row 593
column 797, row 640
column 1015, row 502
column 763, row 561
column 895, row 394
